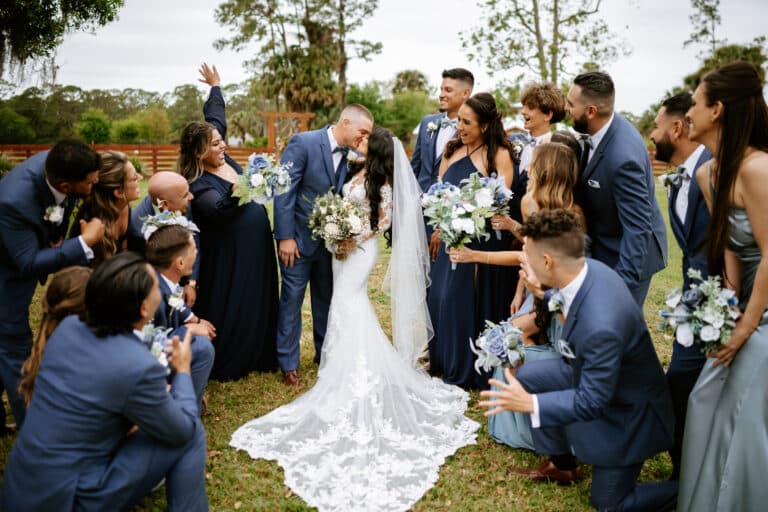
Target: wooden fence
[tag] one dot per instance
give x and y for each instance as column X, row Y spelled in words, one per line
column 163, row 157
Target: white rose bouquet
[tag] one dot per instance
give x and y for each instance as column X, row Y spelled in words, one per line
column 335, row 219
column 263, row 178
column 489, row 194
column 705, row 314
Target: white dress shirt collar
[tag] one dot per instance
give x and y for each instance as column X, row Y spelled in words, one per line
column 139, row 335
column 173, row 286
column 334, row 144
column 58, row 196
column 570, row 290
column 692, row 160
column 599, row 134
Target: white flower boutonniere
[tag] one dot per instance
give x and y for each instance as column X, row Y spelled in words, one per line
column 54, row 214
column 176, row 300
column 432, row 128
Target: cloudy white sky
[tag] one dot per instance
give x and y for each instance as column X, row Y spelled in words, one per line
column 158, row 44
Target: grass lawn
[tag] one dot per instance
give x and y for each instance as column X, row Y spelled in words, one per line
column 476, row 478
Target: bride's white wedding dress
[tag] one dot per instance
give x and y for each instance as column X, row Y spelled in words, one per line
column 373, row 431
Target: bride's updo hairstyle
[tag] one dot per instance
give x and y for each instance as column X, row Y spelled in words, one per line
column 115, row 293
column 380, row 163
column 494, row 136
column 744, row 123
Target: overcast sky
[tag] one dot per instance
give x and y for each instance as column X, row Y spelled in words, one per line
column 158, row 44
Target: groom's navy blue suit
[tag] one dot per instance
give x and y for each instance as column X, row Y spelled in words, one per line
column 26, row 258
column 609, row 405
column 687, row 362
column 424, row 162
column 75, row 453
column 616, row 192
column 312, row 174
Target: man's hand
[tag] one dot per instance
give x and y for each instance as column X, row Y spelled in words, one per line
column 92, row 231
column 434, row 244
column 529, row 278
column 288, row 250
column 510, row 397
column 190, row 295
column 181, row 354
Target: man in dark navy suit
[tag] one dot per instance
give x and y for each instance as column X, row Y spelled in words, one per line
column 37, row 199
column 436, row 130
column 688, row 217
column 616, row 187
column 605, row 400
column 319, row 159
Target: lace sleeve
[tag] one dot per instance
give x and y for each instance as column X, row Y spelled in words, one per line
column 385, row 209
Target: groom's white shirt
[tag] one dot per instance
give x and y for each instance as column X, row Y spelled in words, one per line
column 444, row 134
column 568, row 292
column 336, row 156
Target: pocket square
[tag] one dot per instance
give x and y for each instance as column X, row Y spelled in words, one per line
column 593, row 183
column 563, row 348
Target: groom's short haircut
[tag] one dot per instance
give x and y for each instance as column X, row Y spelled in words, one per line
column 70, row 160
column 560, row 230
column 166, row 244
column 597, row 88
column 678, row 105
column 460, row 74
column 355, row 111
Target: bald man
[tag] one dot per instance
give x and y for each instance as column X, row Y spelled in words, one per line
column 170, row 192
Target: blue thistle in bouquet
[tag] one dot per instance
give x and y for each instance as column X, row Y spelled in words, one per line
column 489, row 194
column 160, row 218
column 498, row 345
column 156, row 340
column 263, row 179
column 334, row 219
column 704, row 315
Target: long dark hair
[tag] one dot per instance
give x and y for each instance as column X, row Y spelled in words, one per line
column 194, row 145
column 115, row 292
column 744, row 124
column 494, row 137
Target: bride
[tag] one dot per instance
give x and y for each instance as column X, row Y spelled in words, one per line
column 374, row 430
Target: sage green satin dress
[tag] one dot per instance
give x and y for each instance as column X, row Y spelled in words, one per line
column 725, row 449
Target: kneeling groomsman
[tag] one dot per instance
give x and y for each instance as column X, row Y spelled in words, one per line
column 689, row 217
column 605, row 400
column 172, row 251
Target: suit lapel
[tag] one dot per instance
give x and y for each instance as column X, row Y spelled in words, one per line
column 325, row 153
column 600, row 149
column 573, row 313
column 694, row 196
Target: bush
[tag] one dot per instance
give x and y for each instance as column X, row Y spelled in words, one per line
column 257, row 142
column 94, row 126
column 126, row 132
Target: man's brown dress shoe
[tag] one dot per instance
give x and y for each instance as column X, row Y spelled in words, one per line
column 548, row 472
column 291, row 378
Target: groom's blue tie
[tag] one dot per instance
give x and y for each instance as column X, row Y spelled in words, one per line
column 344, row 151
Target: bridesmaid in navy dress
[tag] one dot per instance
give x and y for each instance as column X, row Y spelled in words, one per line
column 238, row 270
column 482, row 146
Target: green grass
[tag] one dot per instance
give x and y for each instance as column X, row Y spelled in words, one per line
column 476, row 478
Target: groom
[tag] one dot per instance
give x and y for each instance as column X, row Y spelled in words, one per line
column 605, row 401
column 319, row 160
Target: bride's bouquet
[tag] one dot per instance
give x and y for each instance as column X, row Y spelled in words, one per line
column 456, row 213
column 705, row 314
column 489, row 194
column 335, row 219
column 498, row 345
column 263, row 178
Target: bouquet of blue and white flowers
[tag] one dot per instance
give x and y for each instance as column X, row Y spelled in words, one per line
column 156, row 339
column 458, row 214
column 152, row 223
column 498, row 345
column 263, row 179
column 335, row 219
column 705, row 314
column 489, row 194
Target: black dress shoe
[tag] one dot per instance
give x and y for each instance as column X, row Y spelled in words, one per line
column 548, row 472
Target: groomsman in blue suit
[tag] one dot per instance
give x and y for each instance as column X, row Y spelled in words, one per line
column 319, row 160
column 689, row 217
column 172, row 251
column 169, row 191
column 605, row 400
column 79, row 449
column 37, row 199
column 436, row 130
column 616, row 186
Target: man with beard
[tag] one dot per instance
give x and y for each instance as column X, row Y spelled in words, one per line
column 688, row 217
column 615, row 187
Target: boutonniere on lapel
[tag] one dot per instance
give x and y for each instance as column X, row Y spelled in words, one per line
column 555, row 300
column 673, row 178
column 54, row 214
column 518, row 145
column 176, row 300
column 432, row 128
column 156, row 340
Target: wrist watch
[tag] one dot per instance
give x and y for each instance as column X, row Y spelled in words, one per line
column 192, row 283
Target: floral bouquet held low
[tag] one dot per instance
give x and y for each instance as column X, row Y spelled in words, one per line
column 263, row 178
column 705, row 314
column 335, row 219
column 489, row 194
column 455, row 214
column 498, row 345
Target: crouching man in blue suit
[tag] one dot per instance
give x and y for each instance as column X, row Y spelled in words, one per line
column 605, row 400
column 172, row 251
column 78, row 449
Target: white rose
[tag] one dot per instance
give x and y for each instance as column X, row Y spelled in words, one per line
column 709, row 333
column 684, row 335
column 714, row 318
column 463, row 225
column 484, row 198
column 57, row 215
column 176, row 302
column 469, row 207
column 256, row 180
column 332, row 230
column 355, row 223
